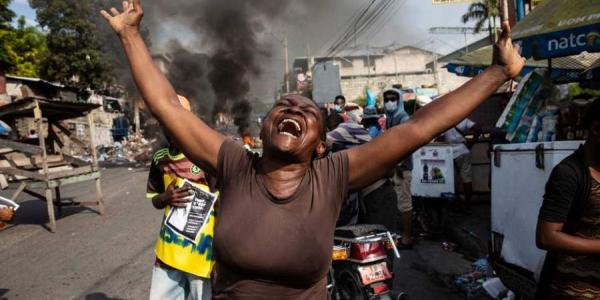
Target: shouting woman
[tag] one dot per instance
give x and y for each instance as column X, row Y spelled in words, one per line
column 278, row 212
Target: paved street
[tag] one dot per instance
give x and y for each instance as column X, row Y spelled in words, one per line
column 111, row 257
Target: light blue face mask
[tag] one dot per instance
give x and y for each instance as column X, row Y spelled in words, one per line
column 391, row 106
column 337, row 108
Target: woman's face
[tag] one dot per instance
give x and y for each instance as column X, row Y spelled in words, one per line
column 293, row 128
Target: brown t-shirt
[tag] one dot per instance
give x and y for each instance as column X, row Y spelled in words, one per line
column 275, row 248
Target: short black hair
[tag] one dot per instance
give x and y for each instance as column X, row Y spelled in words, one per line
column 340, row 97
column 333, row 121
column 593, row 114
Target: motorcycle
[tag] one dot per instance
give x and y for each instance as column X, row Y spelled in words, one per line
column 362, row 263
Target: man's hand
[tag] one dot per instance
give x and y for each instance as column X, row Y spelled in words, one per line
column 506, row 55
column 128, row 21
column 177, row 197
column 6, row 214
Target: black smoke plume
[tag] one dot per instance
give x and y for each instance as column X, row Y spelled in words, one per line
column 226, row 47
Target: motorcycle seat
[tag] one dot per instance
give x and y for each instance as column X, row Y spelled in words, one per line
column 353, row 231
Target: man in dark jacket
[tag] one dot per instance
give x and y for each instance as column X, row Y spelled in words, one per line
column 395, row 116
column 569, row 222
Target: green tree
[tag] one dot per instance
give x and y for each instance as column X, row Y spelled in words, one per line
column 83, row 51
column 75, row 55
column 6, row 15
column 483, row 12
column 23, row 48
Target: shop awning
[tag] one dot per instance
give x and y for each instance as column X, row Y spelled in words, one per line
column 558, row 28
column 564, row 69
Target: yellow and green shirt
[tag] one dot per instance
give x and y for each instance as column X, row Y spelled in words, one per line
column 173, row 249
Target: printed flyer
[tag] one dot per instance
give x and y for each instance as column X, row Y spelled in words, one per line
column 188, row 221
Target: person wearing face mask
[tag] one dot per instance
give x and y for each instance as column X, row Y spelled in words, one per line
column 339, row 104
column 395, row 115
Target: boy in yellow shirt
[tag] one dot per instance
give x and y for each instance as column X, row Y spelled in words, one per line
column 182, row 266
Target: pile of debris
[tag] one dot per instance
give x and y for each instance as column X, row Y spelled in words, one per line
column 135, row 149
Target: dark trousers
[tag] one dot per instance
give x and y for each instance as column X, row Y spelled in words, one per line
column 380, row 207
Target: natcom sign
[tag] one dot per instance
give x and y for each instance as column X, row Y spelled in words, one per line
column 440, row 2
column 562, row 43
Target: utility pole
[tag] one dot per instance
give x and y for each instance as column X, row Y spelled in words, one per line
column 136, row 117
column 368, row 64
column 287, row 64
column 308, row 60
column 435, row 71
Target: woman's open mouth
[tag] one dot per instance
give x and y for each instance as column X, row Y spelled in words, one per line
column 290, row 128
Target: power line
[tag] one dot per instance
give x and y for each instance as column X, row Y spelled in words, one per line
column 345, row 25
column 387, row 19
column 362, row 25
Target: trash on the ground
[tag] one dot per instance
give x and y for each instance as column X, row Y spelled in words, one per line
column 510, row 296
column 471, row 284
column 134, row 148
column 495, row 288
column 483, row 266
column 449, row 246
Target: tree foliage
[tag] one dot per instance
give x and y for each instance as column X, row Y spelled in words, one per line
column 83, row 52
column 6, row 15
column 75, row 57
column 23, row 49
column 483, row 12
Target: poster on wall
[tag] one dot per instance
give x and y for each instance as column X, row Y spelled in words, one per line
column 433, row 171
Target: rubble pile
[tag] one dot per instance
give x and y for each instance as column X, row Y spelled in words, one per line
column 134, row 148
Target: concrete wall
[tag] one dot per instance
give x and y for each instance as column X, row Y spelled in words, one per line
column 406, row 66
column 404, row 60
column 353, row 87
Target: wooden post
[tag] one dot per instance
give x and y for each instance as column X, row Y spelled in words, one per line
column 58, row 200
column 50, row 206
column 18, row 191
column 37, row 115
column 99, row 196
column 90, row 119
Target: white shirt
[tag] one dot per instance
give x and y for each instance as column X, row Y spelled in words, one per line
column 457, row 140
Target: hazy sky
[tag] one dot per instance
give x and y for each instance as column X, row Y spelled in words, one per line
column 409, row 26
column 313, row 23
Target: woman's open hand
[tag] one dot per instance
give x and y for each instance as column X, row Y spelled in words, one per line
column 127, row 21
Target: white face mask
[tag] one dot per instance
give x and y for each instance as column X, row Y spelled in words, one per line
column 391, row 106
